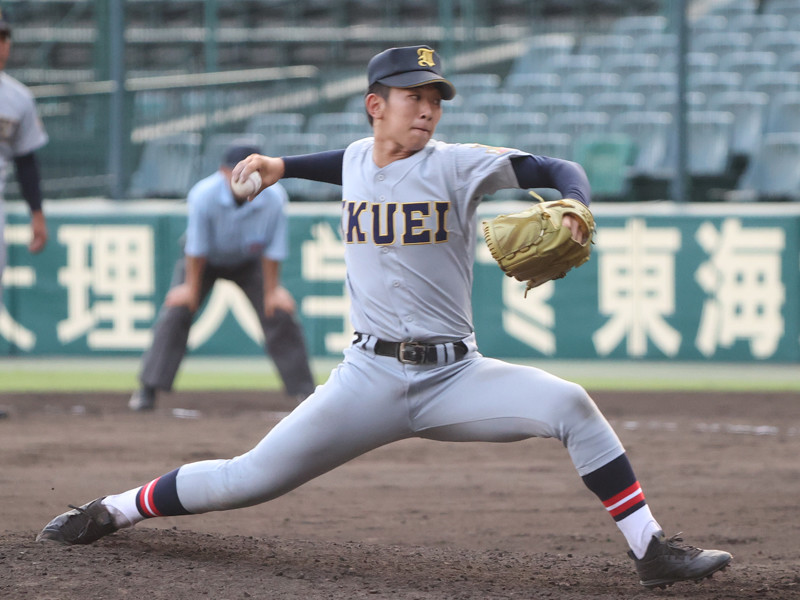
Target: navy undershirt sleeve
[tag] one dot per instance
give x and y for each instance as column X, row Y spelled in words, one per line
column 319, row 166
column 27, row 169
column 566, row 176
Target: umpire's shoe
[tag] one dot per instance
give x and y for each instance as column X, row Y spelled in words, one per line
column 667, row 561
column 143, row 399
column 81, row 525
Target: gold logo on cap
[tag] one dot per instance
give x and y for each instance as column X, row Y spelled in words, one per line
column 425, row 57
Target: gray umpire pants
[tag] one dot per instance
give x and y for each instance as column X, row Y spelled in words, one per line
column 284, row 341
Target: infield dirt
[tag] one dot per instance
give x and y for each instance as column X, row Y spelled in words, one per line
column 414, row 520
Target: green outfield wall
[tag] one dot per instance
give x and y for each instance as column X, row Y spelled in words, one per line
column 687, row 282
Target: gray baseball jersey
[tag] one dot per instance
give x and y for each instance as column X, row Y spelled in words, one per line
column 409, row 231
column 21, row 130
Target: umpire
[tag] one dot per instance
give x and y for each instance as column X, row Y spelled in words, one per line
column 244, row 242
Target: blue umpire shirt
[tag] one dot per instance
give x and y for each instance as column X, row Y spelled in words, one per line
column 227, row 234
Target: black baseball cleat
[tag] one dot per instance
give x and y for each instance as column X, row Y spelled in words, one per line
column 143, row 399
column 81, row 525
column 668, row 561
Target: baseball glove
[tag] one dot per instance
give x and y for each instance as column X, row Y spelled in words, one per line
column 533, row 246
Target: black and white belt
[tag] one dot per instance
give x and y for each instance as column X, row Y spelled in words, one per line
column 414, row 353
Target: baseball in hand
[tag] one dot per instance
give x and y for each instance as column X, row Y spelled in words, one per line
column 248, row 187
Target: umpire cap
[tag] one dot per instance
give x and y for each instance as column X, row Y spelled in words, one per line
column 409, row 67
column 238, row 151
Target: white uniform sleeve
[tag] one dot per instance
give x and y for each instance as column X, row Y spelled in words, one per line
column 482, row 170
column 30, row 133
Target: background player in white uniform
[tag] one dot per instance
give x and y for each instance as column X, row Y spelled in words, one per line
column 21, row 134
column 413, row 370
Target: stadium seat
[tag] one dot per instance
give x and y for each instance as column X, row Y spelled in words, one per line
column 639, row 26
column 494, row 103
column 355, row 104
column 625, row 65
column 506, row 129
column 720, row 43
column 579, row 123
column 590, row 83
column 664, row 45
column 649, row 177
column 699, row 62
column 783, row 114
column 696, row 62
column 709, row 161
column 747, row 62
column 557, row 145
column 615, row 103
column 733, row 8
column 709, row 141
column 650, row 132
column 463, row 127
column 336, row 141
column 288, row 144
column 565, row 64
column 541, row 50
column 552, row 103
column 774, row 174
column 713, row 82
column 665, row 101
column 168, row 167
column 340, row 124
column 605, row 45
column 779, row 42
column 786, row 8
column 215, row 144
column 749, row 111
column 302, row 190
column 773, row 82
column 707, row 23
column 650, row 83
column 469, row 84
column 657, row 43
column 606, row 160
column 270, row 124
column 757, row 23
column 527, row 84
column 789, row 62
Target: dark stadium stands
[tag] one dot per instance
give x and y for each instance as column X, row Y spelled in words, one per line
column 545, row 76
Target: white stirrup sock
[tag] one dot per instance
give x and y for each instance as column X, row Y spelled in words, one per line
column 639, row 529
column 123, row 508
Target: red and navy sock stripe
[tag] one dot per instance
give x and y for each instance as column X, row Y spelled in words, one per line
column 616, row 486
column 159, row 498
column 626, row 502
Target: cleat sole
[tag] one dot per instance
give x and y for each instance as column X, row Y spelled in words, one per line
column 662, row 585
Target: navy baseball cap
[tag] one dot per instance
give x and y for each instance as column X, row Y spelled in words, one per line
column 237, row 152
column 408, row 67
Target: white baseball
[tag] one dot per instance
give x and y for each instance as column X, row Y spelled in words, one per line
column 248, row 187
